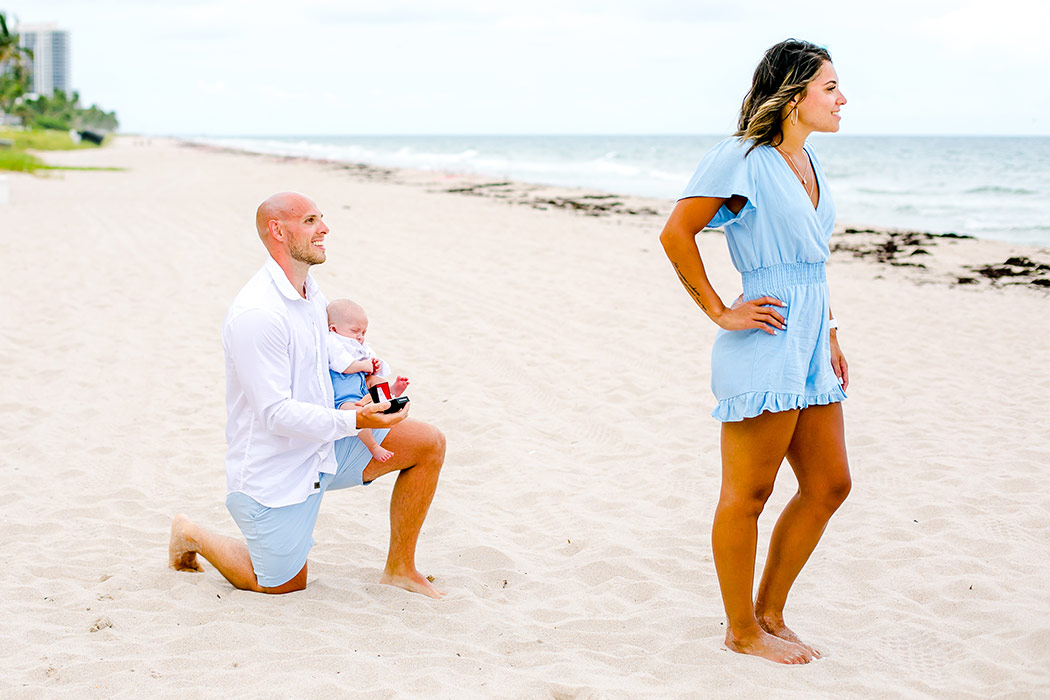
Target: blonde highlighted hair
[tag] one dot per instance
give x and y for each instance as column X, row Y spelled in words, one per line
column 783, row 73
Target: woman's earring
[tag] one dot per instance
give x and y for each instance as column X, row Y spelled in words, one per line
column 794, row 116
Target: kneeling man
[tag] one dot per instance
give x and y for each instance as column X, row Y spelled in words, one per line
column 286, row 444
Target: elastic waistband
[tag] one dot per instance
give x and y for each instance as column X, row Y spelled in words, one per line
column 764, row 280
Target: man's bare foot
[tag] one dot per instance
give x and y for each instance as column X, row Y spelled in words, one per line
column 380, row 454
column 181, row 555
column 776, row 627
column 769, row 647
column 415, row 583
column 399, row 386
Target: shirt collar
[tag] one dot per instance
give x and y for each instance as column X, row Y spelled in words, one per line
column 284, row 286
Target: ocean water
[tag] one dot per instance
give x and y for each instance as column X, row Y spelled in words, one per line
column 984, row 186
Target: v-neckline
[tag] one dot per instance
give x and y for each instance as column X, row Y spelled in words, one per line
column 816, row 178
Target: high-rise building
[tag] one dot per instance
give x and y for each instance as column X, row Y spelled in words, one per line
column 50, row 62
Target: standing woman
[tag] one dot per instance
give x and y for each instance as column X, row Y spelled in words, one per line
column 776, row 367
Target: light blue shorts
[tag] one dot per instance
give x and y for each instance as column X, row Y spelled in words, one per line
column 279, row 539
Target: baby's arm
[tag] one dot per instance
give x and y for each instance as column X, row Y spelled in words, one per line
column 367, row 366
column 398, row 384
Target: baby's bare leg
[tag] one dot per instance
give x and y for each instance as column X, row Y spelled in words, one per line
column 378, row 452
column 398, row 385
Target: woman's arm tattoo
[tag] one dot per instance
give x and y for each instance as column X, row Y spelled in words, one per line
column 693, row 292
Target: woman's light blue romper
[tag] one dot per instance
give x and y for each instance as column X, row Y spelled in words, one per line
column 779, row 243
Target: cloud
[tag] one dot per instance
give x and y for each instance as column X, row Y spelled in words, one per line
column 577, row 65
column 212, row 87
column 548, row 12
column 1016, row 28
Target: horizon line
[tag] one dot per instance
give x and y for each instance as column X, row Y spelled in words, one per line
column 553, row 134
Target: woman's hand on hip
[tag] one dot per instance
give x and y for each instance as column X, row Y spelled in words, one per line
column 757, row 313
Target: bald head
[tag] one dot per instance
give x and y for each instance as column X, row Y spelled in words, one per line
column 342, row 311
column 347, row 319
column 292, row 228
column 280, row 207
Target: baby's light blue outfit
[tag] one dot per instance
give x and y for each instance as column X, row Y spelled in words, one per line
column 348, row 387
column 779, row 244
column 342, row 352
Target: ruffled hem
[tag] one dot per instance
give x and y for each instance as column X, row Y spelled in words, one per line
column 753, row 403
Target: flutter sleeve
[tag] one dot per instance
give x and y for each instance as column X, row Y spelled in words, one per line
column 724, row 172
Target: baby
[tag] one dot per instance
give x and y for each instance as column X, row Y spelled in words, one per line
column 354, row 366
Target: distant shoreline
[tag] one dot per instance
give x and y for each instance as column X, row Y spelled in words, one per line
column 985, row 262
column 995, row 188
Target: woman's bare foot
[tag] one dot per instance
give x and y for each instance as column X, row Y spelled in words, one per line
column 415, row 583
column 380, row 454
column 769, row 647
column 181, row 554
column 776, row 627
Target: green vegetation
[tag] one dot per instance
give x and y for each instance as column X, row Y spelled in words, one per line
column 42, row 140
column 63, row 112
column 57, row 111
column 14, row 77
column 48, row 118
column 20, row 161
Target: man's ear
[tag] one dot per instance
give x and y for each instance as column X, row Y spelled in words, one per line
column 274, row 227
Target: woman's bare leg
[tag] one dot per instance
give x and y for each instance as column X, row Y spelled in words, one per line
column 752, row 452
column 817, row 455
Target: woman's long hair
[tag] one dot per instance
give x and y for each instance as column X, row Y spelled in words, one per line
column 783, row 73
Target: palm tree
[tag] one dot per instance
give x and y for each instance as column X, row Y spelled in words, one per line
column 9, row 46
column 14, row 68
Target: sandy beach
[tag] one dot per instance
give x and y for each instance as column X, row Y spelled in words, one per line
column 545, row 333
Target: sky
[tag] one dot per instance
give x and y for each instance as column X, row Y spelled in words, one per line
column 311, row 67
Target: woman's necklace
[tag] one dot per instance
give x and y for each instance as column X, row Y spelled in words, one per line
column 791, row 162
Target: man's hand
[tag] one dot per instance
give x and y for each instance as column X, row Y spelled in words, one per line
column 370, row 415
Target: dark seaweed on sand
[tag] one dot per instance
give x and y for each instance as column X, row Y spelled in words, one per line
column 587, row 204
column 889, row 246
column 1023, row 269
column 900, row 248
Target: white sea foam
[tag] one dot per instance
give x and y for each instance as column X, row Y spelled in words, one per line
column 993, row 187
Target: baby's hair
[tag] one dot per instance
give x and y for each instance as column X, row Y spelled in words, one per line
column 341, row 310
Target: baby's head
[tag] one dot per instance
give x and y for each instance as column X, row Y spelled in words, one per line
column 347, row 319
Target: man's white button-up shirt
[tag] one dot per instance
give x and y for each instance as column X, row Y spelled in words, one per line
column 280, row 423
